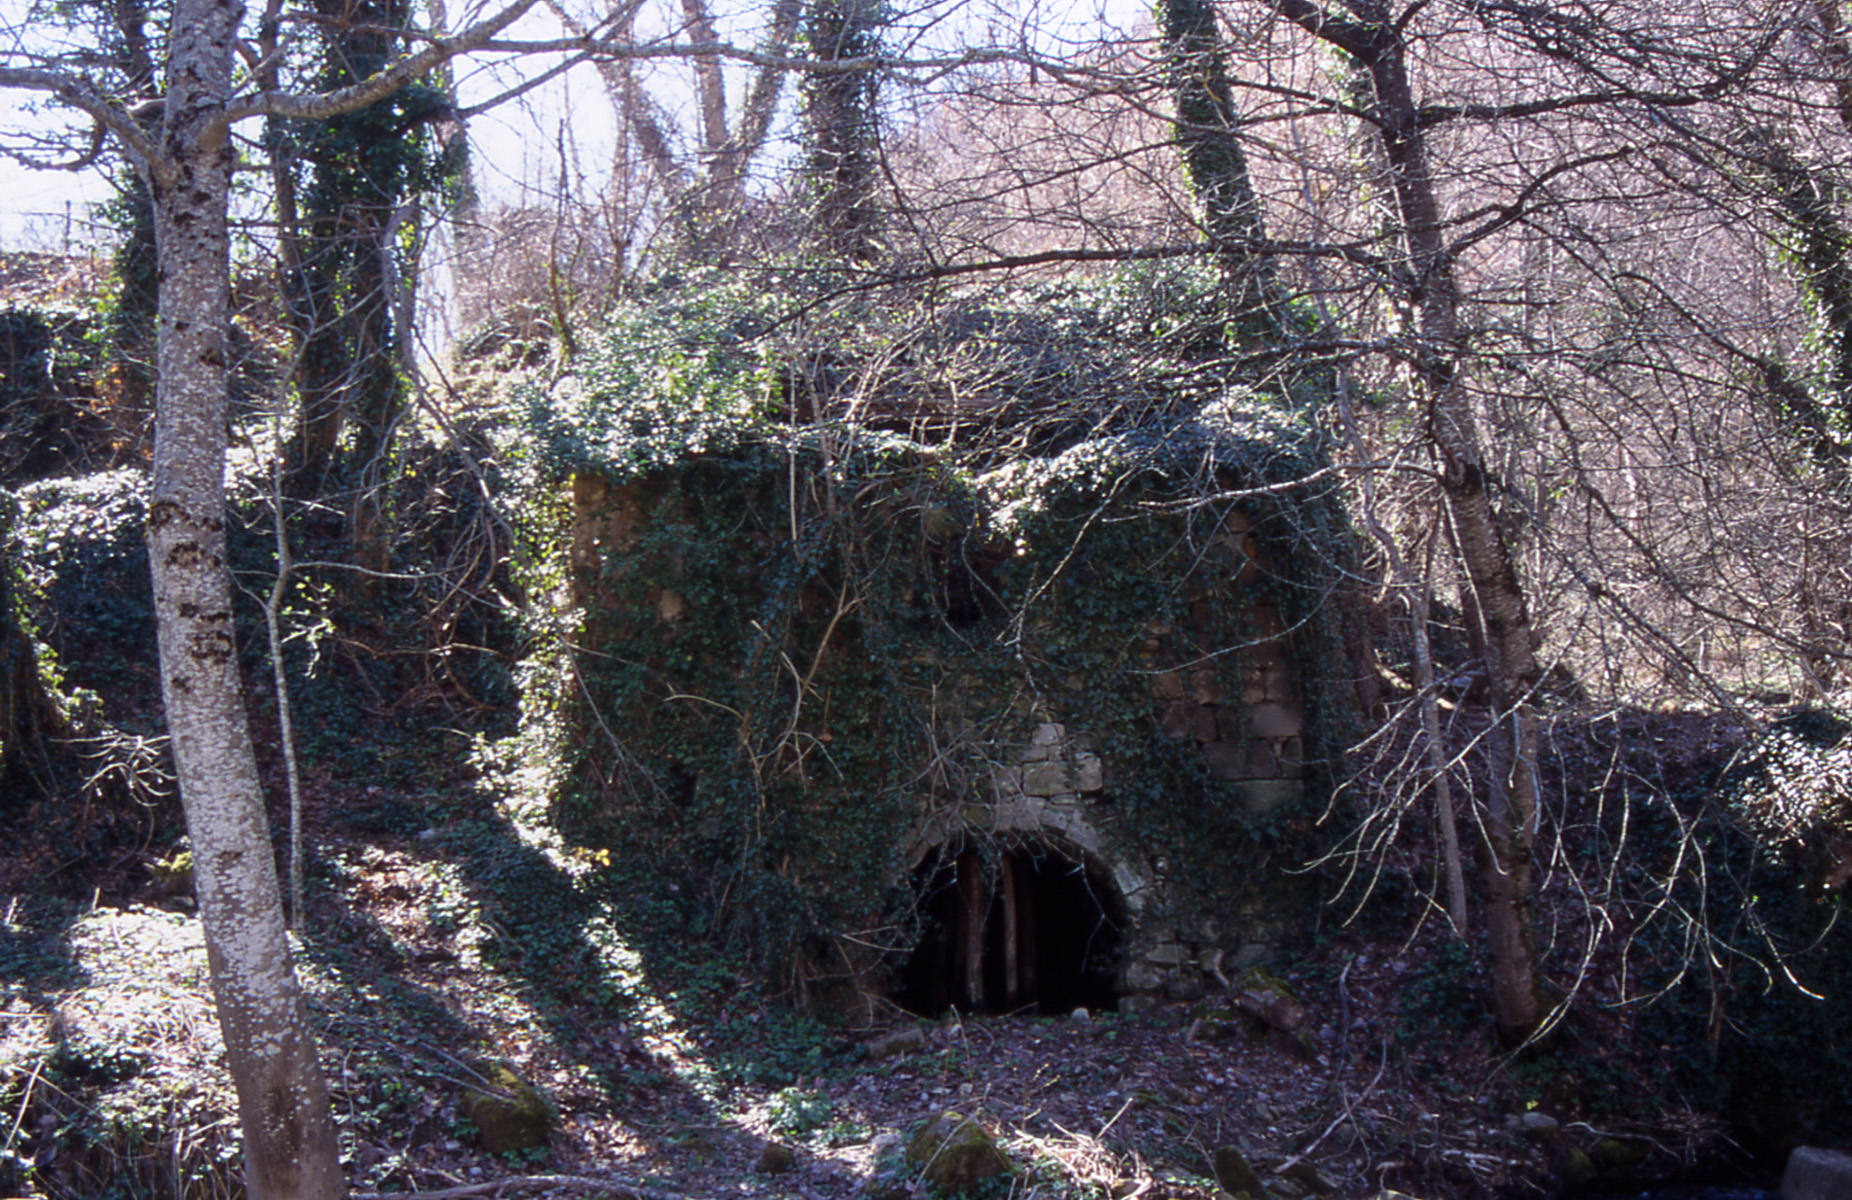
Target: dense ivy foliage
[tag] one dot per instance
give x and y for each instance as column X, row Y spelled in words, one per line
column 833, row 566
column 48, row 368
column 358, row 174
column 28, row 718
column 1757, row 1011
column 82, row 550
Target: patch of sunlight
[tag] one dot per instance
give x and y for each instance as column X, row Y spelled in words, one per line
column 144, row 1013
column 652, row 1024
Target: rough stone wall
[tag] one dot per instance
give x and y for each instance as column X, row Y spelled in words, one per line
column 1224, row 678
column 1254, row 738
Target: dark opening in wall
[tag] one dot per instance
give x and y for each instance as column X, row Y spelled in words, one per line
column 1013, row 929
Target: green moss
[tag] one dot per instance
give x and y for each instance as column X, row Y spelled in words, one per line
column 510, row 1114
column 956, row 1153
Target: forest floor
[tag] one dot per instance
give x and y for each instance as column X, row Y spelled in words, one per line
column 445, row 938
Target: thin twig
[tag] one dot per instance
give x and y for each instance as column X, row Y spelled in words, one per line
column 1350, row 1107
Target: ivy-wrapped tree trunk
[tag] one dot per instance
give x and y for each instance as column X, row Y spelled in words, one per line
column 840, row 131
column 1212, row 153
column 347, row 260
column 29, row 715
column 132, row 319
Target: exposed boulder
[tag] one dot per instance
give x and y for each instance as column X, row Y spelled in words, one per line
column 509, row 1113
column 1815, row 1174
column 956, row 1152
column 889, row 1045
column 775, row 1158
column 1236, row 1176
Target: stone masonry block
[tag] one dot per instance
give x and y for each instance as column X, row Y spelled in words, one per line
column 1264, row 795
column 1291, row 753
column 1227, row 760
column 1170, row 954
column 1815, row 1174
column 1206, row 687
column 1265, row 655
column 1050, row 779
column 1275, row 721
column 1140, row 978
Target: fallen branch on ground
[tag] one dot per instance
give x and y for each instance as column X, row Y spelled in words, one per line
column 624, row 1188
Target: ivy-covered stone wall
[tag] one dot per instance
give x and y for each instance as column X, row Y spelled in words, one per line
column 841, row 661
column 854, row 607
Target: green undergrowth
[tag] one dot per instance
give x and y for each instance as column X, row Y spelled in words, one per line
column 833, row 564
column 599, row 982
column 586, row 932
column 109, row 1058
column 1761, row 1023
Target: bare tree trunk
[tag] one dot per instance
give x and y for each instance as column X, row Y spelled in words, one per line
column 1418, row 592
column 290, row 1144
column 1428, row 282
column 1511, row 808
column 1009, row 887
column 709, row 85
column 704, row 196
column 973, row 903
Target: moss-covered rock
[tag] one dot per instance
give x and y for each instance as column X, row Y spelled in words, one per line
column 171, row 877
column 1236, row 1176
column 955, row 1152
column 1615, row 1155
column 1574, row 1167
column 1264, row 997
column 775, row 1158
column 510, row 1114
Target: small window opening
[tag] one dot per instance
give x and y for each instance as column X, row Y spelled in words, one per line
column 1013, row 930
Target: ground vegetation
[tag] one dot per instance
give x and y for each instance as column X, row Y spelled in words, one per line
column 1521, row 331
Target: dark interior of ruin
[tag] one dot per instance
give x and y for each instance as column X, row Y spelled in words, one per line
column 1021, row 929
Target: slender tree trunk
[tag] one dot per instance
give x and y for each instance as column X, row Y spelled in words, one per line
column 1010, row 888
column 1511, row 805
column 973, row 904
column 289, row 1136
column 1426, row 278
column 1418, row 592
